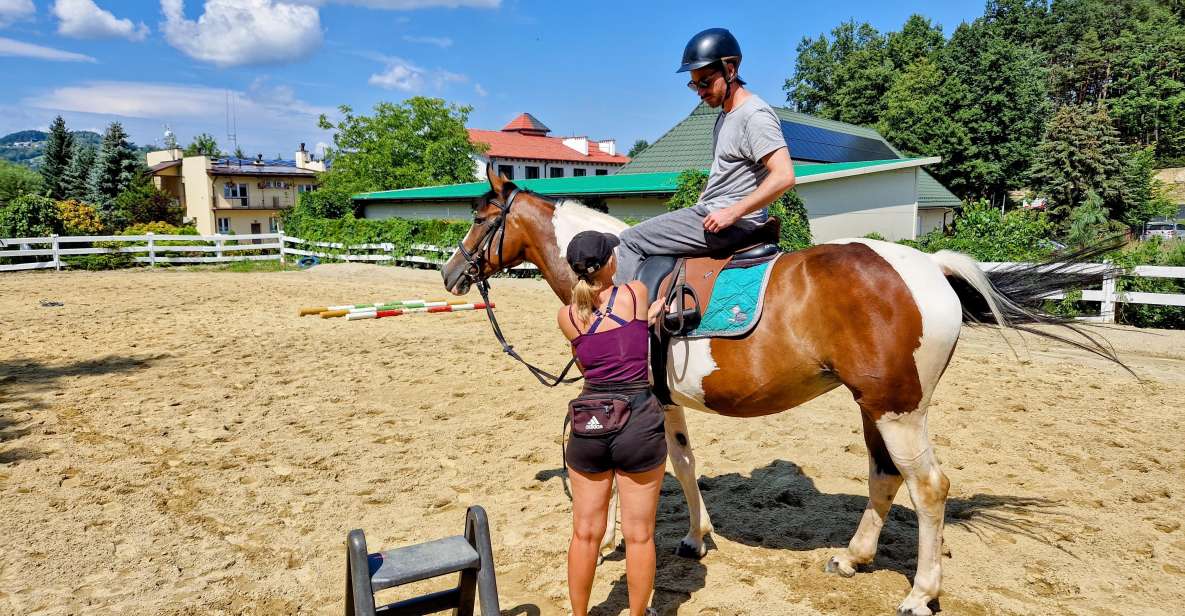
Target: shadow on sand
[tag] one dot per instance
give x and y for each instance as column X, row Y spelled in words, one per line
column 778, row 507
column 24, row 381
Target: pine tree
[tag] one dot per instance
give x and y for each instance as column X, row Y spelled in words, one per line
column 114, row 170
column 58, row 152
column 1080, row 154
column 77, row 178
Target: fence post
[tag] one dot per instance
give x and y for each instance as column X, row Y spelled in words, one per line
column 218, row 247
column 1107, row 309
column 151, row 249
column 280, row 237
column 390, row 248
column 57, row 258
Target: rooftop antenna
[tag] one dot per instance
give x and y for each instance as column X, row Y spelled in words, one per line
column 232, row 127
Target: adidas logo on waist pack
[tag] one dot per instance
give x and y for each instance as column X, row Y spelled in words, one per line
column 593, row 424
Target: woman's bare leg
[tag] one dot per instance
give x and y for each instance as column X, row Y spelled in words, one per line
column 590, row 508
column 639, row 505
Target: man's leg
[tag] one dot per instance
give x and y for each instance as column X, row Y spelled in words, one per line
column 674, row 233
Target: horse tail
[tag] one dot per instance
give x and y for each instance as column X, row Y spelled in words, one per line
column 1011, row 298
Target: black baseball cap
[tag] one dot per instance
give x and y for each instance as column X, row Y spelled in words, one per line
column 589, row 251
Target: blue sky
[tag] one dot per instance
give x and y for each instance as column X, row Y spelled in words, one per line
column 605, row 70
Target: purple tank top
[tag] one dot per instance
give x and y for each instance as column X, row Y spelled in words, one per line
column 617, row 355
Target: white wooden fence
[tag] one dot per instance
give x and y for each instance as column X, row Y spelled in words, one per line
column 148, row 249
column 279, row 247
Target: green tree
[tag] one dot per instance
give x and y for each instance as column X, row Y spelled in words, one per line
column 17, row 180
column 239, row 153
column 1088, row 223
column 1147, row 92
column 1079, row 154
column 985, row 233
column 688, row 187
column 143, row 203
column 77, row 178
column 637, row 148
column 114, row 170
column 29, row 215
column 796, row 227
column 58, row 150
column 917, row 119
column 419, row 142
column 995, row 90
column 1144, row 197
column 203, row 145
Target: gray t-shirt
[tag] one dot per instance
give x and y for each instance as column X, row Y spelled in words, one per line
column 741, row 138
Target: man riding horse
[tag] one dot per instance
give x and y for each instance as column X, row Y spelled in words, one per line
column 750, row 165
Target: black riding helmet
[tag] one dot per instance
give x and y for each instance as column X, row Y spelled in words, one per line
column 710, row 46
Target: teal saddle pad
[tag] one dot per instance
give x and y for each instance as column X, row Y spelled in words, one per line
column 735, row 305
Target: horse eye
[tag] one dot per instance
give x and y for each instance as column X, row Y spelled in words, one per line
column 478, row 221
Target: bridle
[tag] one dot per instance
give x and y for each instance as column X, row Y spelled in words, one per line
column 477, row 259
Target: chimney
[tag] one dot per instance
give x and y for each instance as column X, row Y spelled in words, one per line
column 304, row 160
column 580, row 144
column 608, row 146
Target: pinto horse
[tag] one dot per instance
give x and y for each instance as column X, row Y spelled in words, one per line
column 878, row 318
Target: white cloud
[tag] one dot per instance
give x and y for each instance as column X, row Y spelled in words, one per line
column 238, row 32
column 84, row 19
column 410, row 5
column 9, row 47
column 403, row 75
column 442, row 42
column 480, row 90
column 166, row 101
column 15, row 10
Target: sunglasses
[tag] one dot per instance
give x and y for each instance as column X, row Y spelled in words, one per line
column 702, row 84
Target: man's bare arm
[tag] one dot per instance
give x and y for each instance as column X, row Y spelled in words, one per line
column 780, row 179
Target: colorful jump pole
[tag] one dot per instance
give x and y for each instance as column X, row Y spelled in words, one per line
column 381, row 314
column 337, row 311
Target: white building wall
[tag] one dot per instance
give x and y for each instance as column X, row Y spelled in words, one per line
column 883, row 203
column 419, row 210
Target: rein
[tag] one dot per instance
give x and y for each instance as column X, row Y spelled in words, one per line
column 476, row 261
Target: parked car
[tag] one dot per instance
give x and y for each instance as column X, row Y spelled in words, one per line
column 1165, row 230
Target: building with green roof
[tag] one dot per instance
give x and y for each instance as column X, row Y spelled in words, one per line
column 852, row 181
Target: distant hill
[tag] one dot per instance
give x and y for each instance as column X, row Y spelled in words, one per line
column 26, row 147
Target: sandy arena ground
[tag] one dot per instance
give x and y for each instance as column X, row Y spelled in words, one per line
column 179, row 442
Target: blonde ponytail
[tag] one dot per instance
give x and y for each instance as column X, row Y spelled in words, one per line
column 584, row 297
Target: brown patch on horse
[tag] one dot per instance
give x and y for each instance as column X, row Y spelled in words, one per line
column 860, row 331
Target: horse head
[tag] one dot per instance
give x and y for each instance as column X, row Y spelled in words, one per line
column 506, row 222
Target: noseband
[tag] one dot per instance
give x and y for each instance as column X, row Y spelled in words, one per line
column 477, row 260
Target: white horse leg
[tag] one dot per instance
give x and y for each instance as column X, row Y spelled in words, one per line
column 883, row 482
column 683, row 461
column 909, row 445
column 610, row 539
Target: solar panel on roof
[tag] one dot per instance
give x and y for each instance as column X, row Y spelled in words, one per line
column 828, row 146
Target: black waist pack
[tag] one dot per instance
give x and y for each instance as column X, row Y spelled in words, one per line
column 603, row 413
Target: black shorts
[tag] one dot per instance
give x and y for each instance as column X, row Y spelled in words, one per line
column 640, row 446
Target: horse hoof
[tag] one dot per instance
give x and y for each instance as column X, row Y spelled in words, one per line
column 835, row 566
column 687, row 549
column 917, row 610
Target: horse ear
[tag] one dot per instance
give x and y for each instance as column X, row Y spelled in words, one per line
column 496, row 180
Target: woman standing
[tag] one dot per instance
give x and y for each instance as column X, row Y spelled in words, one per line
column 617, row 427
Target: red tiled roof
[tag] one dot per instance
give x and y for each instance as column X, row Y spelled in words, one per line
column 526, row 122
column 514, row 145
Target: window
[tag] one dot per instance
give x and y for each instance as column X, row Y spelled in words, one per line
column 235, row 192
column 578, row 172
column 304, row 188
column 275, row 201
column 556, row 172
column 273, row 225
column 506, row 170
column 532, row 173
column 223, row 226
column 602, row 172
